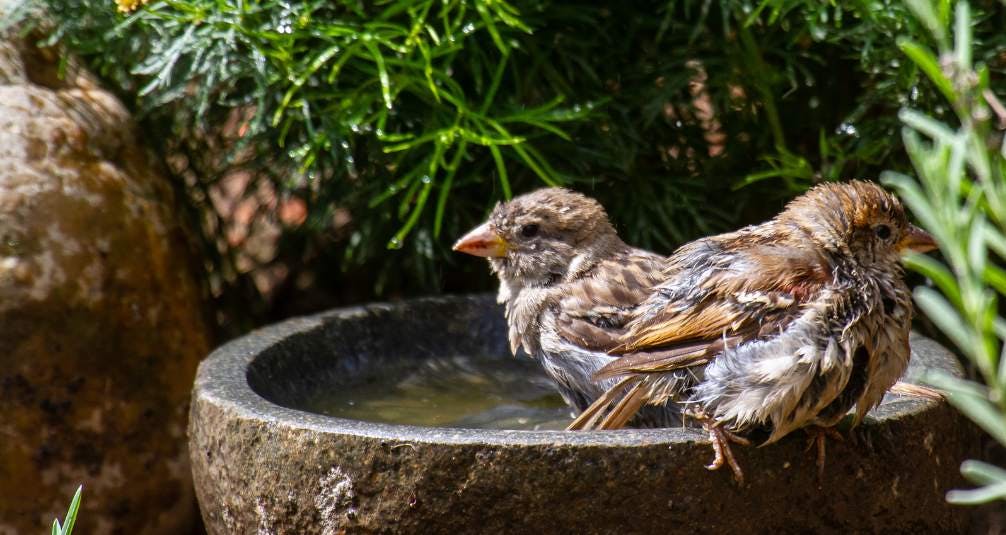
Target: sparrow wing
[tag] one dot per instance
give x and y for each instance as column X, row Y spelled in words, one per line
column 718, row 292
column 596, row 306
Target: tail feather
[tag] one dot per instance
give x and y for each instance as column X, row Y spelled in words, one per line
column 626, row 408
column 592, row 415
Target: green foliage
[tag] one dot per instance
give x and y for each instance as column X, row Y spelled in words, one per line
column 960, row 197
column 415, row 116
column 71, row 516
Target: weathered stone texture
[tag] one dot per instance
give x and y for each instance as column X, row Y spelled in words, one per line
column 101, row 321
column 262, row 466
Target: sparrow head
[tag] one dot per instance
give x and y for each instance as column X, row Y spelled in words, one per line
column 857, row 218
column 536, row 237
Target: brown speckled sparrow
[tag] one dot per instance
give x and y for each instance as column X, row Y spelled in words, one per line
column 567, row 283
column 783, row 325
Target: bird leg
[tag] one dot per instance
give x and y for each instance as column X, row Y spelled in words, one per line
column 721, row 439
column 819, row 437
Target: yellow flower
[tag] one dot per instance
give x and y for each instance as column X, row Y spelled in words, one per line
column 126, row 6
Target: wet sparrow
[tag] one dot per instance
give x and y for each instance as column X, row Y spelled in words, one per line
column 567, row 283
column 786, row 324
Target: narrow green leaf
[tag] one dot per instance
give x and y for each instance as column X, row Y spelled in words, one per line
column 977, row 156
column 494, row 85
column 480, row 7
column 534, row 166
column 312, row 68
column 350, row 52
column 395, row 188
column 538, row 112
column 417, row 210
column 488, row 140
column 977, row 496
column 508, row 14
column 946, row 318
column 1000, row 329
column 394, row 137
column 415, row 142
column 554, row 178
column 976, row 241
column 929, row 65
column 439, row 148
column 995, row 276
column 71, row 514
column 428, row 71
column 923, row 10
column 382, row 71
column 554, row 130
column 982, row 473
column 927, row 125
column 953, row 170
column 756, row 177
column 915, row 198
column 938, row 273
column 405, row 204
column 972, row 400
column 445, row 187
column 995, row 239
column 501, row 171
column 438, row 217
column 962, row 36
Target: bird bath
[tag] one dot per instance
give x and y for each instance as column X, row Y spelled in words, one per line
column 265, row 458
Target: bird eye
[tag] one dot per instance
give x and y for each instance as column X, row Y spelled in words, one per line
column 529, row 231
column 883, row 231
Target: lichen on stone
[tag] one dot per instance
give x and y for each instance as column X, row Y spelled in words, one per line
column 335, row 500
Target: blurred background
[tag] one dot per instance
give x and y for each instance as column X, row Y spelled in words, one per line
column 327, row 153
column 281, row 157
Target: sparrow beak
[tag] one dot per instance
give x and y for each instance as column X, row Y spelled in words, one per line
column 482, row 241
column 916, row 239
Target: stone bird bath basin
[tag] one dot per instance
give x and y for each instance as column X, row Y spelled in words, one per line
column 262, row 465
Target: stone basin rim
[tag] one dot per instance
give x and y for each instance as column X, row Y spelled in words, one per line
column 222, row 381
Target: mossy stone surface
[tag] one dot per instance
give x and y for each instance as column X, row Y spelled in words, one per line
column 102, row 322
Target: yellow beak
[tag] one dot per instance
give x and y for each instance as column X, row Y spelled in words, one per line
column 482, row 241
column 916, row 239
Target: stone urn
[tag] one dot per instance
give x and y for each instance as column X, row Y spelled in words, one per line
column 262, row 462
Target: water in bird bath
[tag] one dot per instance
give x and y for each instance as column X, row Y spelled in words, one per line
column 459, row 392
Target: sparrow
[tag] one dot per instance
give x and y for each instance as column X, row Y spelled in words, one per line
column 784, row 325
column 568, row 284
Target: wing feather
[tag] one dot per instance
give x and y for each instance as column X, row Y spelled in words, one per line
column 731, row 292
column 717, row 293
column 595, row 308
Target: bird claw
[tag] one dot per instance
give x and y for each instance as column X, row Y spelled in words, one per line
column 818, row 437
column 721, row 439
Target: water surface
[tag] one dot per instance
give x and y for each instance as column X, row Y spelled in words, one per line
column 460, row 391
